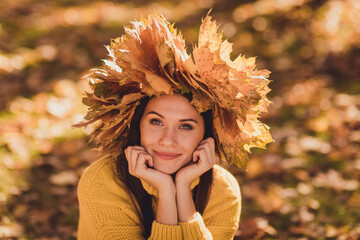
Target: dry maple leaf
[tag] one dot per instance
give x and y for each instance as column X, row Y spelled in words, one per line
column 150, row 59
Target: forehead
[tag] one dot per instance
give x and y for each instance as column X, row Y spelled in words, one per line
column 172, row 104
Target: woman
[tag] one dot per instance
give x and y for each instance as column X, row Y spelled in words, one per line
column 164, row 119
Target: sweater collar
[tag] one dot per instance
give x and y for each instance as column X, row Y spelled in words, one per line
column 152, row 191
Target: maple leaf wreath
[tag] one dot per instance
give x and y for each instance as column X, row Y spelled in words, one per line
column 150, row 59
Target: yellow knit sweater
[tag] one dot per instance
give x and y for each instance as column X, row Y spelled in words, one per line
column 108, row 212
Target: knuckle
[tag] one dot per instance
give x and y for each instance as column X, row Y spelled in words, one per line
column 140, row 155
column 129, row 148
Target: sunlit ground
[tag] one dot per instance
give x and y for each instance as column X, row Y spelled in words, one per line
column 305, row 185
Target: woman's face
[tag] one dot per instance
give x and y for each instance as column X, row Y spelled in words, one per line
column 170, row 131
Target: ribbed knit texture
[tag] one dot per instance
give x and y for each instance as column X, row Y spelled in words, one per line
column 108, row 212
column 162, row 231
column 195, row 229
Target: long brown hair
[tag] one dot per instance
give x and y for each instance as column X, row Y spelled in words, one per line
column 201, row 193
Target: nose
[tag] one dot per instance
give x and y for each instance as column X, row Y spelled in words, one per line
column 168, row 138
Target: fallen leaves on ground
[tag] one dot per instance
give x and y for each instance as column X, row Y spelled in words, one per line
column 304, row 186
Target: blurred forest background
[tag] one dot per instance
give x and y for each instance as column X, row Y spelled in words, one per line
column 304, row 186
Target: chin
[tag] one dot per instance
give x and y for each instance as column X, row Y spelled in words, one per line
column 167, row 170
column 168, row 167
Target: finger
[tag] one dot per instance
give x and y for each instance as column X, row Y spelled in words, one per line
column 135, row 148
column 210, row 149
column 147, row 158
column 141, row 166
column 151, row 161
column 134, row 154
column 200, row 148
column 196, row 155
column 199, row 155
column 208, row 140
column 129, row 158
column 138, row 147
column 205, row 146
column 206, row 158
column 135, row 151
column 127, row 152
column 212, row 143
column 202, row 143
column 203, row 160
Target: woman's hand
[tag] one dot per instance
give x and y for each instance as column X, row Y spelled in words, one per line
column 140, row 163
column 203, row 159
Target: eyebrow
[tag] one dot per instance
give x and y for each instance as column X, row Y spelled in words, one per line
column 181, row 120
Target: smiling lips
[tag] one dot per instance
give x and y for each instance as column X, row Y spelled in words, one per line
column 166, row 156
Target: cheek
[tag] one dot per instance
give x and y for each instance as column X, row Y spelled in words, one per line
column 149, row 136
column 192, row 142
column 144, row 137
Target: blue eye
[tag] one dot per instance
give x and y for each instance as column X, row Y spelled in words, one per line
column 155, row 121
column 186, row 127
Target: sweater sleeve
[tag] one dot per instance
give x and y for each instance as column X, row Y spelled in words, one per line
column 221, row 216
column 195, row 229
column 107, row 211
